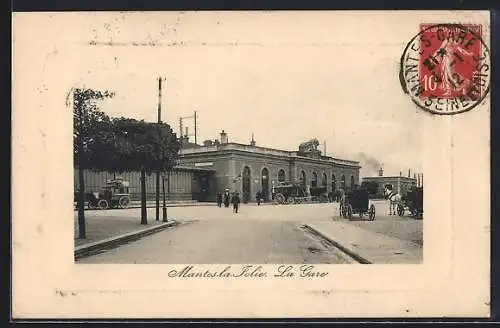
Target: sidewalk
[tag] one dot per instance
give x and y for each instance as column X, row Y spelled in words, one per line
column 366, row 246
column 100, row 228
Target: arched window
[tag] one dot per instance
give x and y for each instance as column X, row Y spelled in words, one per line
column 281, row 175
column 324, row 180
column 342, row 182
column 352, row 181
column 303, row 178
column 334, row 183
column 314, row 180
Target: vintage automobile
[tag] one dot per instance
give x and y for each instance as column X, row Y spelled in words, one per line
column 296, row 193
column 115, row 194
column 290, row 193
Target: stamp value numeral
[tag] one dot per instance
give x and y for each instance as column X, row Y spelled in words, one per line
column 430, row 83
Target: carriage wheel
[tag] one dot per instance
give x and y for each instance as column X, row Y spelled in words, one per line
column 349, row 212
column 401, row 210
column 371, row 213
column 124, row 202
column 342, row 210
column 103, row 204
column 280, row 198
column 90, row 205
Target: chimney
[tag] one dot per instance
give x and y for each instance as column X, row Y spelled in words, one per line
column 252, row 142
column 223, row 137
column 381, row 172
column 409, row 174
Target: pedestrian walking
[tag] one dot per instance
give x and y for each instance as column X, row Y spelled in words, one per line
column 236, row 202
column 226, row 198
column 219, row 199
column 258, row 197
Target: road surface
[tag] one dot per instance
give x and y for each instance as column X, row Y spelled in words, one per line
column 257, row 235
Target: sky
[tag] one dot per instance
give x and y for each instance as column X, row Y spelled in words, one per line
column 286, row 78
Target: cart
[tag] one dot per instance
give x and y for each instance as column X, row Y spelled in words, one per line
column 357, row 202
column 413, row 202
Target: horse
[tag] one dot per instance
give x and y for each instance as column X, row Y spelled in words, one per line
column 394, row 200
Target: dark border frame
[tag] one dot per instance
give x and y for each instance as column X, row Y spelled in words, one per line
column 148, row 5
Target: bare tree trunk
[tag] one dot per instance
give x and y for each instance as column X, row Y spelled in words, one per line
column 157, row 196
column 81, row 181
column 144, row 213
column 81, row 205
column 165, row 218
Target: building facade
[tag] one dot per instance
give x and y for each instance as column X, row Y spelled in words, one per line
column 400, row 184
column 182, row 183
column 204, row 171
column 248, row 168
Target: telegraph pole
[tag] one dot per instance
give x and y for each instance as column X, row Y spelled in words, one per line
column 158, row 172
column 195, row 117
column 195, row 129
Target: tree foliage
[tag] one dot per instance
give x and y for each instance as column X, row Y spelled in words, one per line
column 91, row 125
column 121, row 144
column 145, row 146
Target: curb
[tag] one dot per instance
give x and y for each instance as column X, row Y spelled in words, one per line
column 352, row 254
column 112, row 242
column 152, row 206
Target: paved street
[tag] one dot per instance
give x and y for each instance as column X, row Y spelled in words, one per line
column 258, row 234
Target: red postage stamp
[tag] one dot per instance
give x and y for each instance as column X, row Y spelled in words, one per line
column 445, row 68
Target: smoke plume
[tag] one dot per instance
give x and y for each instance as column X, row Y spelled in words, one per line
column 369, row 164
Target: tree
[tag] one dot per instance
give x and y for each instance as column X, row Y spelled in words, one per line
column 144, row 147
column 89, row 126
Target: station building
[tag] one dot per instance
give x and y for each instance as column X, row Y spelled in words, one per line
column 248, row 168
column 204, row 170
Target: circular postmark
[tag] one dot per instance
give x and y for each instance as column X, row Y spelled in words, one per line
column 445, row 68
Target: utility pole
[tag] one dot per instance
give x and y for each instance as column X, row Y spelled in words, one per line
column 158, row 172
column 195, row 129
column 180, row 127
column 195, row 117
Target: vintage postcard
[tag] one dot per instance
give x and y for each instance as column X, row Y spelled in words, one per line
column 251, row 164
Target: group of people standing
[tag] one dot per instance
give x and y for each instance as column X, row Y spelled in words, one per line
column 227, row 198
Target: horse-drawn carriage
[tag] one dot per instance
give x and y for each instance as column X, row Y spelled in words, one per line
column 115, row 194
column 357, row 202
column 414, row 202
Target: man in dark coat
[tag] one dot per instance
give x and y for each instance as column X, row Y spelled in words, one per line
column 226, row 199
column 219, row 199
column 258, row 197
column 236, row 202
